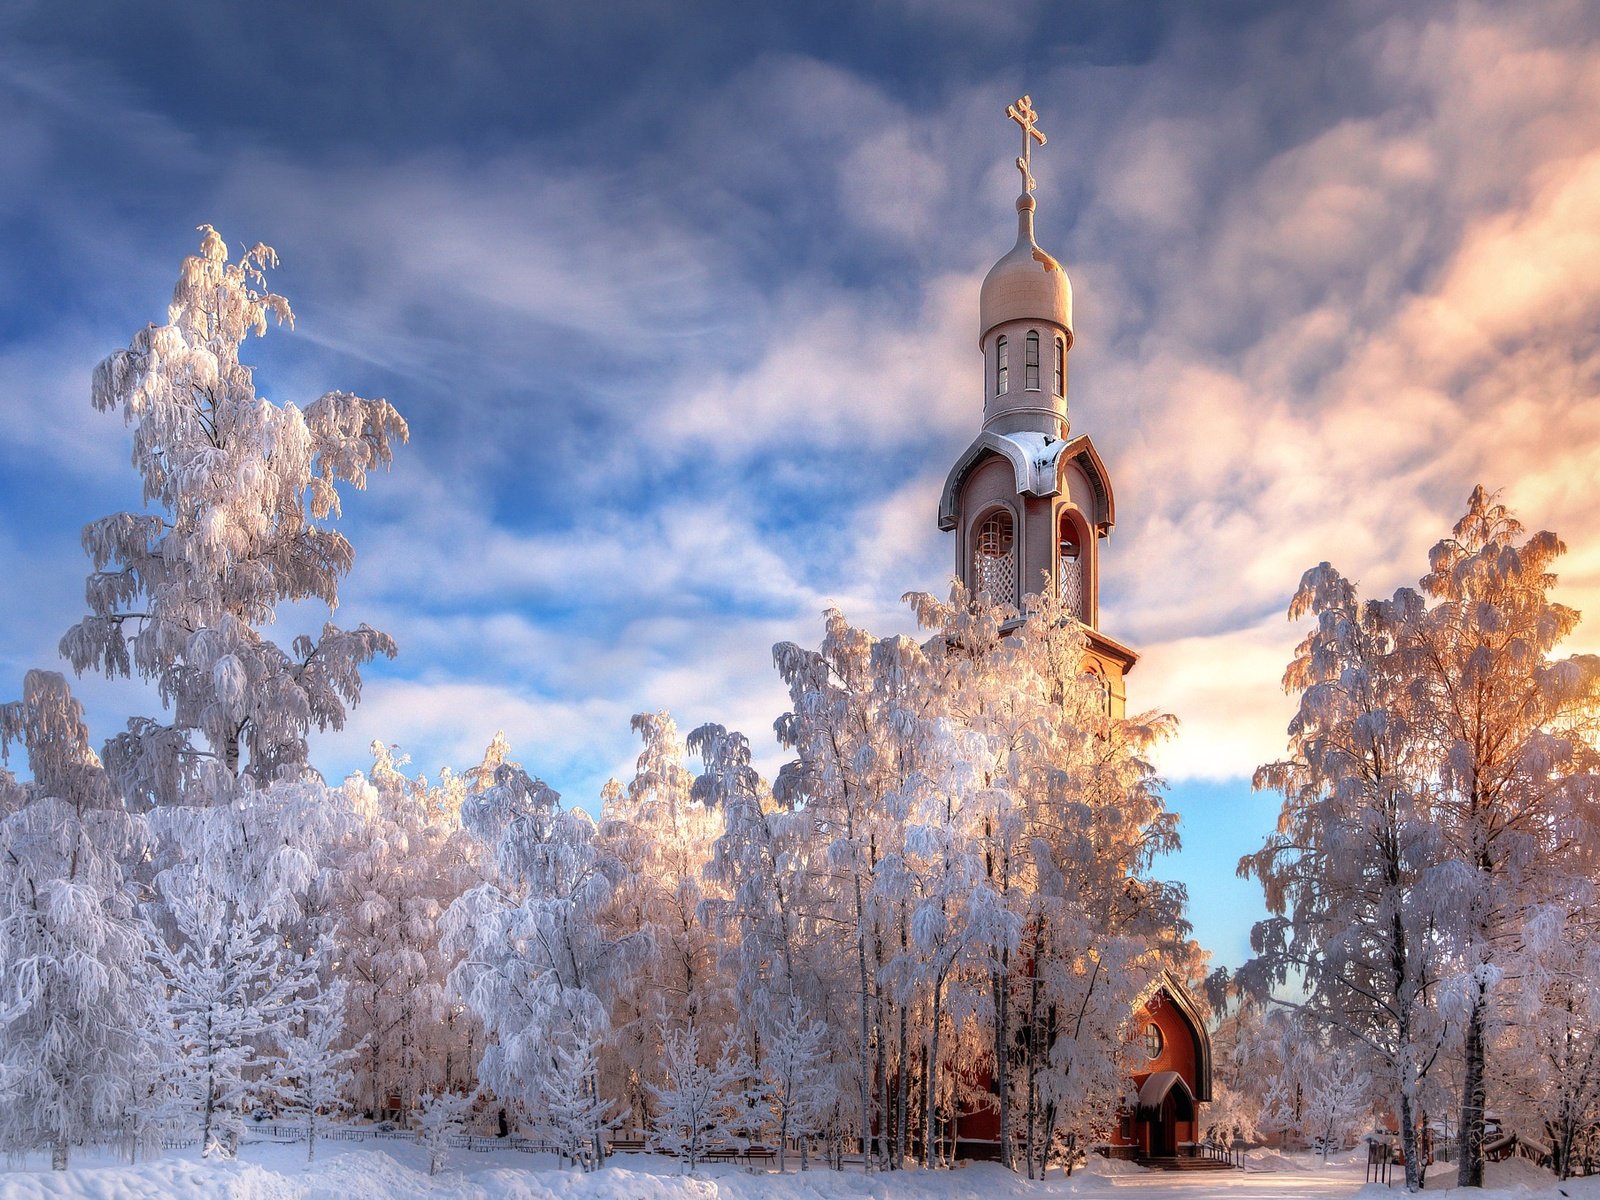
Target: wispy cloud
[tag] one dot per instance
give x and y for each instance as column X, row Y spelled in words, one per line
column 688, row 361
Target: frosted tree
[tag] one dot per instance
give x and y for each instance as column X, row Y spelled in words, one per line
column 1513, row 733
column 403, row 862
column 1244, row 1047
column 441, row 1117
column 695, row 1109
column 536, row 962
column 754, row 859
column 313, row 1067
column 239, row 496
column 799, row 1079
column 573, row 1110
column 852, row 745
column 1551, row 1077
column 243, row 490
column 1338, row 1100
column 1353, row 877
column 71, row 967
column 661, row 836
column 228, row 993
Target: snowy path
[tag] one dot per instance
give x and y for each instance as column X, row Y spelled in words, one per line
column 1236, row 1185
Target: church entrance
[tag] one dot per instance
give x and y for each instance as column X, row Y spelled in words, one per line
column 1163, row 1124
column 1164, row 1100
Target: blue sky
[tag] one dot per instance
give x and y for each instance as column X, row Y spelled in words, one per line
column 680, row 302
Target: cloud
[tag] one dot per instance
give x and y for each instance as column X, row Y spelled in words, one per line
column 681, row 376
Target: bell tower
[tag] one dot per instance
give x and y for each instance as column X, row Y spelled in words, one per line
column 1028, row 502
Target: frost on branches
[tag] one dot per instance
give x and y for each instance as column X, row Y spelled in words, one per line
column 240, row 494
column 1440, row 796
column 71, row 946
column 314, row 1069
column 402, row 861
column 243, row 490
column 983, row 829
column 229, row 994
column 537, row 962
column 441, row 1116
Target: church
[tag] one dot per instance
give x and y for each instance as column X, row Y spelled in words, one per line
column 1029, row 504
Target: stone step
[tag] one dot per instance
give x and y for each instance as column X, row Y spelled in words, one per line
column 1187, row 1163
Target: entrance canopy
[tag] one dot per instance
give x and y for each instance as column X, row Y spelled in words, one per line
column 1153, row 1093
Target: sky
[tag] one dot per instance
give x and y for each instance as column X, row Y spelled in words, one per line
column 680, row 302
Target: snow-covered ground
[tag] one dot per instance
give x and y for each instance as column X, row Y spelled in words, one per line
column 398, row 1171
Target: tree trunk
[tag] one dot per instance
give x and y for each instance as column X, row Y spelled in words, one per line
column 1470, row 1139
column 58, row 1152
column 866, row 1039
column 903, row 1082
column 1033, row 1052
column 930, row 1084
column 885, row 1113
column 1000, row 986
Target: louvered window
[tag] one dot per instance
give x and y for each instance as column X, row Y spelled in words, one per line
column 1061, row 367
column 1030, row 363
column 1000, row 369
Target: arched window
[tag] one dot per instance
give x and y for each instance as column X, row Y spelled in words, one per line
column 1061, row 367
column 1030, row 363
column 1000, row 371
column 994, row 559
column 1070, row 569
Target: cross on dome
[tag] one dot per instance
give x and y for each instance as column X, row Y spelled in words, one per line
column 1022, row 113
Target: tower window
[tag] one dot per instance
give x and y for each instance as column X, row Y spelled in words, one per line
column 1000, row 370
column 1030, row 363
column 994, row 561
column 1061, row 367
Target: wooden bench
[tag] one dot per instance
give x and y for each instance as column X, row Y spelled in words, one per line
column 628, row 1146
column 721, row 1154
column 760, row 1154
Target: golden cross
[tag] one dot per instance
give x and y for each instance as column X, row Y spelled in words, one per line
column 1022, row 113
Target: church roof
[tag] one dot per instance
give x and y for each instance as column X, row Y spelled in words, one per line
column 1184, row 1001
column 1154, row 1090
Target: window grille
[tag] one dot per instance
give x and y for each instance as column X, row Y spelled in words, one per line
column 1000, row 370
column 994, row 561
column 1072, row 585
column 1153, row 1041
column 1030, row 363
column 1069, row 571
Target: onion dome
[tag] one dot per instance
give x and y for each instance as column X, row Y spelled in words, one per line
column 1025, row 285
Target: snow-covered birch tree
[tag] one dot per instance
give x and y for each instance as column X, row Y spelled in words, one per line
column 239, row 495
column 1354, row 873
column 1441, row 786
column 403, row 862
column 1513, row 733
